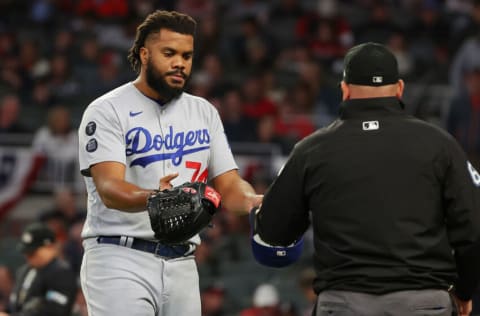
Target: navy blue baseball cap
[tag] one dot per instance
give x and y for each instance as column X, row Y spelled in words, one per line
column 370, row 64
column 35, row 236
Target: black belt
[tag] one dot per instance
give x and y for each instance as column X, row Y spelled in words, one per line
column 156, row 248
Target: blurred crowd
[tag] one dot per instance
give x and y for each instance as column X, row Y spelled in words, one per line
column 270, row 67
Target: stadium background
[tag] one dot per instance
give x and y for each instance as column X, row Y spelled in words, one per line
column 270, row 67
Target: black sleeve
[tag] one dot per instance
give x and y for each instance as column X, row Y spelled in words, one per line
column 60, row 292
column 283, row 216
column 462, row 206
column 19, row 277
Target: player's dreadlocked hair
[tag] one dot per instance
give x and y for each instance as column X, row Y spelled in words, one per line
column 154, row 22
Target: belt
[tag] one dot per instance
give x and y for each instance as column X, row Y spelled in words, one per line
column 154, row 247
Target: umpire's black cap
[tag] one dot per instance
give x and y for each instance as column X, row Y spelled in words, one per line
column 370, row 64
column 34, row 236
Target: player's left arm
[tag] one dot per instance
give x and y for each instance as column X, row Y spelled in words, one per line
column 237, row 194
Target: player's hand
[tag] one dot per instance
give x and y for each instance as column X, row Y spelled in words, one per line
column 256, row 200
column 4, row 314
column 165, row 182
column 464, row 308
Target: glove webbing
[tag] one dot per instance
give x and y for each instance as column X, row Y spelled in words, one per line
column 176, row 221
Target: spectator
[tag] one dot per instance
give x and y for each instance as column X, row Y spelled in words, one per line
column 32, row 63
column 464, row 117
column 117, row 36
column 6, row 286
column 10, row 107
column 42, row 96
column 325, row 43
column 398, row 44
column 379, row 25
column 106, row 9
column 237, row 126
column 57, row 141
column 7, row 43
column 465, row 26
column 210, row 81
column 327, row 11
column 65, row 207
column 109, row 75
column 428, row 32
column 465, row 60
column 200, row 10
column 45, row 285
column 208, row 38
column 265, row 302
column 64, row 86
column 257, row 103
column 213, row 300
column 267, row 135
column 324, row 90
column 294, row 114
column 239, row 10
column 282, row 21
column 62, row 219
column 64, row 43
column 251, row 46
column 86, row 66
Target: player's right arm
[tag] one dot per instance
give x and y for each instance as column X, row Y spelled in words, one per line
column 116, row 193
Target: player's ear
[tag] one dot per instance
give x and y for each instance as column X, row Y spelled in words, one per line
column 345, row 91
column 143, row 55
column 400, row 88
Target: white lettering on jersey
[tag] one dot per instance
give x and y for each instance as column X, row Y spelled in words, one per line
column 474, row 174
column 370, row 125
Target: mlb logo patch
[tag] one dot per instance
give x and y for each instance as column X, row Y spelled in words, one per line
column 377, row 79
column 370, row 125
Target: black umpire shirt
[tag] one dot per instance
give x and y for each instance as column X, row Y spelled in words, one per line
column 389, row 197
column 48, row 291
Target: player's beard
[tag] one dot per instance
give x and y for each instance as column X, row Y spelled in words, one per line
column 158, row 83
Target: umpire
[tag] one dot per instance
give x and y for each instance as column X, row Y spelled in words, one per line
column 393, row 201
column 45, row 285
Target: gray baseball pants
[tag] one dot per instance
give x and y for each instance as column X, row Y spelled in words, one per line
column 122, row 281
column 401, row 303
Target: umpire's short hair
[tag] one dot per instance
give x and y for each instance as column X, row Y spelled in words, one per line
column 153, row 23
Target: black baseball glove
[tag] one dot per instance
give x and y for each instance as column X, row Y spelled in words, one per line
column 180, row 213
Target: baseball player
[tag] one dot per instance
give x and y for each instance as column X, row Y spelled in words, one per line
column 146, row 135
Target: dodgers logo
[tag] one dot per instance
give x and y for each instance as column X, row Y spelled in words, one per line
column 140, row 141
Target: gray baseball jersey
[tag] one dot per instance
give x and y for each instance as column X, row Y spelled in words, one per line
column 151, row 140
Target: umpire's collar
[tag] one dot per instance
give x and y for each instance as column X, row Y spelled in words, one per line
column 366, row 107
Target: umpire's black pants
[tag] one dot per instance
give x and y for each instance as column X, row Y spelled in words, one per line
column 401, row 303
